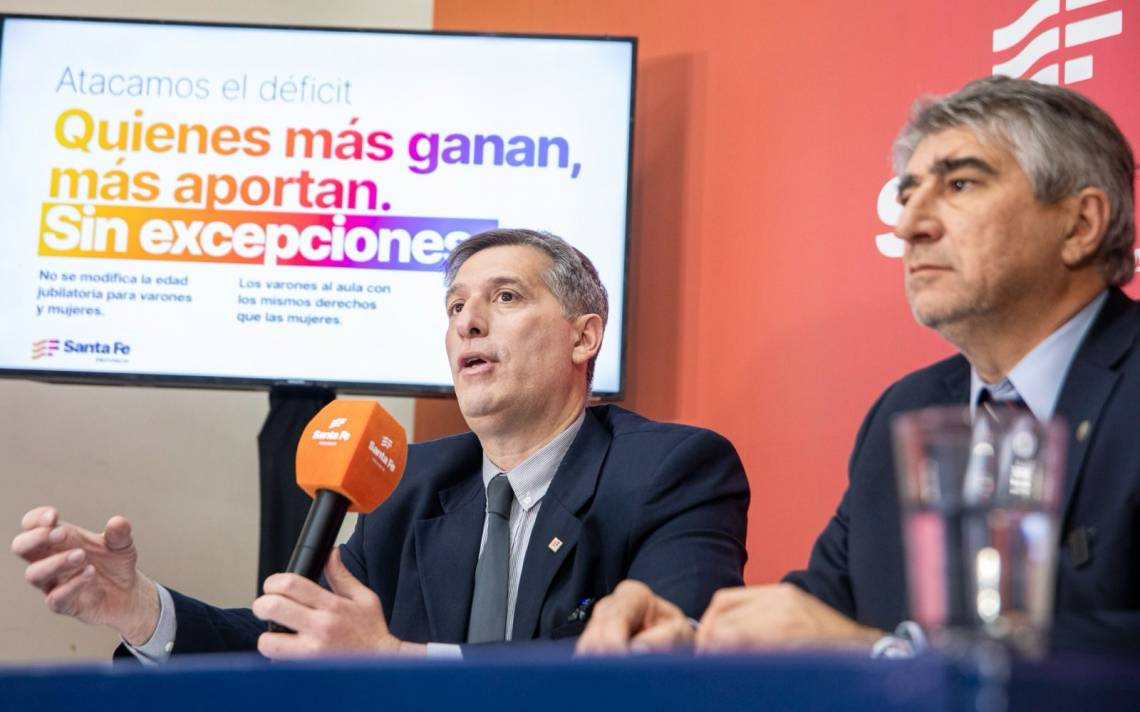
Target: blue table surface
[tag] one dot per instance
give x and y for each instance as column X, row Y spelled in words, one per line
column 537, row 679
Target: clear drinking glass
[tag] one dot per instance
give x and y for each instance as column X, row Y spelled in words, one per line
column 980, row 522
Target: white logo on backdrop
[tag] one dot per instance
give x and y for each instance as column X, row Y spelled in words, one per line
column 1075, row 34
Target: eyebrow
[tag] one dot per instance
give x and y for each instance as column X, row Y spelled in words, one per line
column 945, row 166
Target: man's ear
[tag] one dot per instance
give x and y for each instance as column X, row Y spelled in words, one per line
column 1089, row 221
column 588, row 331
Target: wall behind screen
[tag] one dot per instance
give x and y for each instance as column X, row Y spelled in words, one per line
column 181, row 464
column 760, row 305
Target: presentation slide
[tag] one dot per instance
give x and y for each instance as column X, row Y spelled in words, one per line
column 236, row 206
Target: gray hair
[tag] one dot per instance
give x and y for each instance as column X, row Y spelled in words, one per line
column 1061, row 140
column 571, row 277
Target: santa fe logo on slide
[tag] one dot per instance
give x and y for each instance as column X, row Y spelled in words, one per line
column 44, row 348
column 1043, row 33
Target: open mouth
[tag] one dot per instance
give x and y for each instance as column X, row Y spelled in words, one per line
column 474, row 363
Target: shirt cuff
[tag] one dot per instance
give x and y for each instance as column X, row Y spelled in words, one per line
column 907, row 641
column 156, row 650
column 444, row 651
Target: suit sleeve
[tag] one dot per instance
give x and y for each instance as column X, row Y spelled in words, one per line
column 827, row 575
column 690, row 539
column 202, row 628
column 352, row 553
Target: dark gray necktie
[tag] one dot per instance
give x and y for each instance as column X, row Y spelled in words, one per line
column 489, row 603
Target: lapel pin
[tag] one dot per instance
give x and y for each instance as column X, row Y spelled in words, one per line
column 1080, row 545
column 555, row 544
column 1082, row 431
column 582, row 612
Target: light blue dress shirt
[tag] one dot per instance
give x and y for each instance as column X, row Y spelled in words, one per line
column 1038, row 377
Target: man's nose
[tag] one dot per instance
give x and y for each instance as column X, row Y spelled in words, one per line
column 918, row 221
column 472, row 320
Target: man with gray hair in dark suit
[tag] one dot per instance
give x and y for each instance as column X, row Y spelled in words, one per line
column 1018, row 226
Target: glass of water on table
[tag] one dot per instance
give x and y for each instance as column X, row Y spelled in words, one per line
column 980, row 496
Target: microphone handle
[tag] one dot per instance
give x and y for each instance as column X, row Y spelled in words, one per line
column 318, row 534
column 316, row 540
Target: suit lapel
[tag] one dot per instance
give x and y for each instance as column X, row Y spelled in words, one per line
column 572, row 488
column 1088, row 385
column 957, row 382
column 1091, row 380
column 447, row 550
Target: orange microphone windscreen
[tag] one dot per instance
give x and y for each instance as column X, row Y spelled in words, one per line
column 353, row 447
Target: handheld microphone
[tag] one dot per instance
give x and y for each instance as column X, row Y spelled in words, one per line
column 349, row 459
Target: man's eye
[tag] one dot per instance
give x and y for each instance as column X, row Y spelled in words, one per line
column 960, row 184
column 903, row 198
column 455, row 308
column 506, row 297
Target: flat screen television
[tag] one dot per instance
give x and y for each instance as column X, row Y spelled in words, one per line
column 249, row 206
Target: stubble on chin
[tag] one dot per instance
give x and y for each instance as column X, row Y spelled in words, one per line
column 952, row 321
column 930, row 318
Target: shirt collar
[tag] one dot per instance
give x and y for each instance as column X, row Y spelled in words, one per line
column 532, row 477
column 1037, row 377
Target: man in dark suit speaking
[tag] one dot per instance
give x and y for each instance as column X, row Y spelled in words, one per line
column 1018, row 222
column 504, row 533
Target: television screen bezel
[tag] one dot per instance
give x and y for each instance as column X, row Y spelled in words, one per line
column 361, row 387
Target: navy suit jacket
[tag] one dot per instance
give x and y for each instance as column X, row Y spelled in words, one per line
column 856, row 565
column 665, row 504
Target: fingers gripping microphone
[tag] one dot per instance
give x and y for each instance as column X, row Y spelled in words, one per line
column 349, row 459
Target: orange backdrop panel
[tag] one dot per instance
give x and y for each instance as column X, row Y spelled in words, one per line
column 760, row 306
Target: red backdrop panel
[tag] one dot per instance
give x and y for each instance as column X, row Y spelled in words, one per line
column 760, row 305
